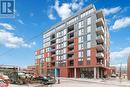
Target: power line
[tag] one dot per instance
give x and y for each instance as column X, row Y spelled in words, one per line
column 34, row 37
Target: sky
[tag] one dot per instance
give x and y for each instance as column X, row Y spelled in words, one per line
column 22, row 35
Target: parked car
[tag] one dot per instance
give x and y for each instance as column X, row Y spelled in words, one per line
column 46, row 79
column 113, row 75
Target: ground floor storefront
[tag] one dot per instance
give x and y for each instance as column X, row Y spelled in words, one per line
column 80, row 72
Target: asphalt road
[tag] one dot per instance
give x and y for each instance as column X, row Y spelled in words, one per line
column 72, row 83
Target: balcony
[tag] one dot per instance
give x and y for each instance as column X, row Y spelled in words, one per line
column 70, row 42
column 100, row 39
column 53, row 36
column 70, row 28
column 71, row 63
column 99, row 14
column 100, row 30
column 71, row 49
column 100, row 48
column 100, row 22
column 71, row 35
column 53, row 42
column 100, row 61
column 70, row 56
column 100, row 55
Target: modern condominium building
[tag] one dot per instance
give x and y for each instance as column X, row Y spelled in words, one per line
column 76, row 47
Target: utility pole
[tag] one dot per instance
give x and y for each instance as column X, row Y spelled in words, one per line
column 120, row 71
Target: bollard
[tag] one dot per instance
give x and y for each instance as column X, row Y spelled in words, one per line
column 58, row 81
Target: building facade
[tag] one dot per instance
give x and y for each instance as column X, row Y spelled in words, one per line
column 76, row 47
column 128, row 68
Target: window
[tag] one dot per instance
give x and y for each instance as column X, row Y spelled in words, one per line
column 81, row 32
column 86, row 13
column 48, row 54
column 91, row 11
column 65, row 37
column 88, row 62
column 64, row 56
column 47, row 49
column 80, row 46
column 56, row 52
column 65, row 31
column 80, row 54
column 88, row 37
column 80, row 39
column 89, row 45
column 89, row 21
column 64, row 50
column 80, row 61
column 63, row 63
column 82, row 15
column 57, row 57
column 65, row 44
column 81, row 24
column 88, row 29
column 88, row 53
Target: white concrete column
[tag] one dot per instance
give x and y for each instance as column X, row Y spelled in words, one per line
column 98, row 72
column 101, row 73
column 95, row 72
column 75, row 74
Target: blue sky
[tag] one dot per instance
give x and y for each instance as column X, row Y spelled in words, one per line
column 33, row 17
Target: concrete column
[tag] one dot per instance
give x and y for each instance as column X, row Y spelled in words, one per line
column 95, row 72
column 75, row 74
column 101, row 73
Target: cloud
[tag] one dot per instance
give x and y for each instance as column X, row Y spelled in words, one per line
column 111, row 10
column 51, row 16
column 67, row 9
column 7, row 26
column 118, row 65
column 10, row 40
column 120, row 54
column 20, row 21
column 64, row 10
column 77, row 5
column 121, row 23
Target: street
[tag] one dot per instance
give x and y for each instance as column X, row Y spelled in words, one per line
column 65, row 82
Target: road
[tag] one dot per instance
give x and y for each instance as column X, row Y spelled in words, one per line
column 76, row 83
column 27, row 85
column 73, row 83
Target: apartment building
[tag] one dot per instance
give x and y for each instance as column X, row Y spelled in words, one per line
column 76, row 47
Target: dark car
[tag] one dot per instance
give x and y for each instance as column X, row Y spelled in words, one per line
column 46, row 79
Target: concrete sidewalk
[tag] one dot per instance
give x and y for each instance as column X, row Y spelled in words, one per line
column 111, row 81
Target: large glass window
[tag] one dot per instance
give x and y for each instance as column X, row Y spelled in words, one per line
column 88, row 44
column 80, row 54
column 88, row 37
column 88, row 62
column 80, row 61
column 80, row 46
column 81, row 32
column 89, row 21
column 81, row 24
column 88, row 29
column 88, row 53
column 80, row 40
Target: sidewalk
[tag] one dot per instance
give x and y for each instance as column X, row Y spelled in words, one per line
column 111, row 81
